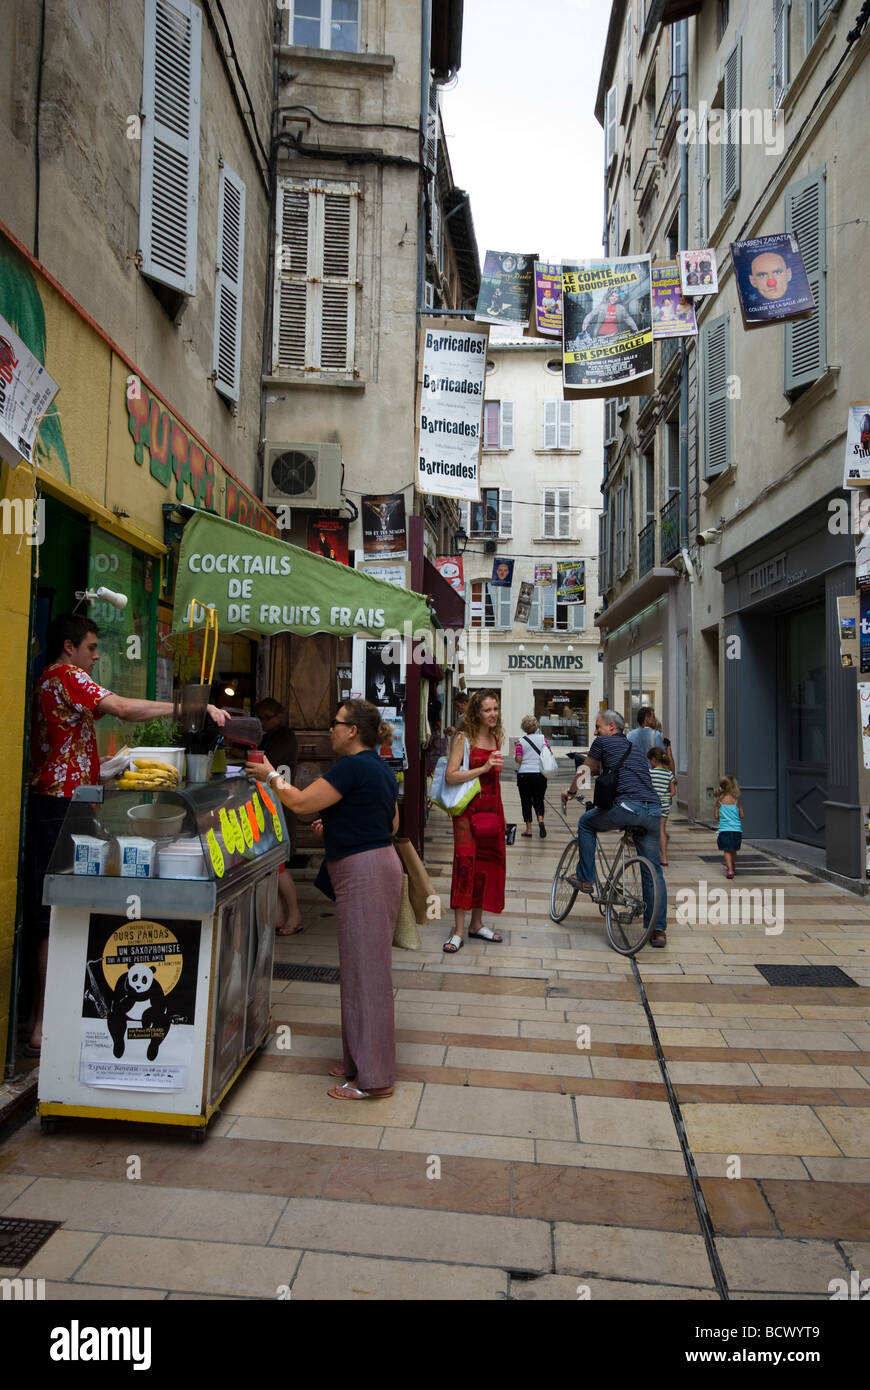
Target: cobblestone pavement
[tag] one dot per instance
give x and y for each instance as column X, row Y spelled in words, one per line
column 510, row 1162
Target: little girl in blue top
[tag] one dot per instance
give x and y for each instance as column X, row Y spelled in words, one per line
column 730, row 815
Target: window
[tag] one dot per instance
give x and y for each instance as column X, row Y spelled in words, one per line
column 806, row 339
column 557, row 513
column 732, row 122
column 609, row 420
column 678, row 48
column 715, row 408
column 648, row 474
column 484, row 514
column 488, row 605
column 614, row 230
column 672, row 240
column 325, row 24
column 546, row 615
column 780, row 51
column 603, row 556
column 623, row 526
column 498, row 425
column 315, row 275
column 722, row 19
column 609, row 127
column 169, row 170
column 817, row 13
column 628, row 50
column 230, row 263
column 673, row 456
column 557, row 424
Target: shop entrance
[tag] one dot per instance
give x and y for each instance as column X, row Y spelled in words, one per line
column 803, row 753
column 563, row 716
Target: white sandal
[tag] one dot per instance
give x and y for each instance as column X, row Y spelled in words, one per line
column 455, row 944
column 487, row 934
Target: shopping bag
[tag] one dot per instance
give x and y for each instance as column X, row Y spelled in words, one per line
column 420, row 885
column 453, row 799
column 548, row 760
column 405, row 934
column 510, row 833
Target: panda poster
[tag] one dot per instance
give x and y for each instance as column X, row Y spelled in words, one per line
column 139, row 1003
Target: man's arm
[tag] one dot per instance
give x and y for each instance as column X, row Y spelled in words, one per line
column 132, row 711
column 594, row 767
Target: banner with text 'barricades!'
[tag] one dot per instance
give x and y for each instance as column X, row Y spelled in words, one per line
column 450, row 388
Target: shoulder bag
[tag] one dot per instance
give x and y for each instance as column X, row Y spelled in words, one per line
column 546, row 755
column 453, row 799
column 607, row 784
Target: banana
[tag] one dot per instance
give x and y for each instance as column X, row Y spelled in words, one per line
column 155, row 765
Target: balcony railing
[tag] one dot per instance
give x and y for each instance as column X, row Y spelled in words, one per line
column 667, row 112
column 671, row 348
column 670, row 521
column 645, row 174
column 646, row 549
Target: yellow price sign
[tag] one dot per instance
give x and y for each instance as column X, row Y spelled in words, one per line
column 276, row 824
column 238, row 837
column 214, row 850
column 258, row 812
column 247, row 831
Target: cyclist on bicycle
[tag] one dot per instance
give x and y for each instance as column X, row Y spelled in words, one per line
column 636, row 806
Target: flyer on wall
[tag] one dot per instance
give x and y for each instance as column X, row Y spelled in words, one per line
column 506, row 288
column 450, row 386
column 543, row 574
column 698, row 272
column 571, row 582
column 502, row 572
column 864, row 702
column 772, row 282
column 857, row 471
column 329, row 536
column 608, row 341
column 673, row 312
column 384, row 527
column 450, row 569
column 27, row 393
column 848, row 617
column 547, row 317
column 524, row 602
column 864, row 627
column 138, row 1004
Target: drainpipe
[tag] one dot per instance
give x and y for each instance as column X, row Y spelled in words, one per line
column 425, row 79
column 683, row 238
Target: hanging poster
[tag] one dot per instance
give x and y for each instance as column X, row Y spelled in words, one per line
column 329, row 536
column 450, row 387
column 524, row 602
column 864, row 700
column 393, row 747
column 571, row 582
column 547, row 317
column 848, row 617
column 139, row 1003
column 864, row 625
column 26, row 392
column 698, row 272
column 857, row 473
column 772, row 281
column 543, row 574
column 673, row 313
column 502, row 573
column 378, row 672
column 608, row 341
column 506, row 288
column 450, row 569
column 384, row 527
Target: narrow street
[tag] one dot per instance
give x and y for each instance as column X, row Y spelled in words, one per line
column 512, row 1162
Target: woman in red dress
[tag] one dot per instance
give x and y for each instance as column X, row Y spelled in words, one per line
column 479, row 833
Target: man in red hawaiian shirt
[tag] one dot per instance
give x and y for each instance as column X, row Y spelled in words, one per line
column 64, row 756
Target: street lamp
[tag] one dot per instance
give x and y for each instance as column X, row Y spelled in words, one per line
column 460, row 541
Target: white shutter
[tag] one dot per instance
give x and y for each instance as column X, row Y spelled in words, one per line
column 169, row 173
column 576, row 617
column 505, row 609
column 293, row 235
column 551, row 416
column 563, row 496
column 315, row 284
column 715, row 406
column 230, row 278
column 731, row 148
column 339, row 274
column 465, row 517
column 506, row 512
column 549, row 513
column 806, row 348
column 506, row 425
column 678, row 48
column 609, row 127
column 610, row 420
column 535, row 610
column 627, row 68
column 780, row 51
column 565, row 423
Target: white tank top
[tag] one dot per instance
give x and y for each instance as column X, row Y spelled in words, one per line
column 531, row 754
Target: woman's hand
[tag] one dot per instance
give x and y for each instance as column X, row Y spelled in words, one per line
column 493, row 762
column 317, row 827
column 259, row 771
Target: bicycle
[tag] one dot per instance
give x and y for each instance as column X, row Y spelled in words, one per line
column 618, row 893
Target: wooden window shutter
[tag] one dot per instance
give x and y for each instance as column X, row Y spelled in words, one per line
column 780, row 51
column 229, row 284
column 506, row 422
column 806, row 339
column 576, row 617
column 715, row 355
column 609, row 127
column 506, row 512
column 731, row 149
column 293, row 234
column 563, row 498
column 535, row 609
column 551, row 417
column 339, row 218
column 169, row 172
column 565, row 423
column 505, row 609
column 550, row 512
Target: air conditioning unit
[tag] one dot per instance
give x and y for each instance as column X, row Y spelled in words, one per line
column 302, row 475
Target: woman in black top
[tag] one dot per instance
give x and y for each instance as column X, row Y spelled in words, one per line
column 358, row 800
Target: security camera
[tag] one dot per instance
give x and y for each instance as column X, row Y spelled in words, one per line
column 709, row 537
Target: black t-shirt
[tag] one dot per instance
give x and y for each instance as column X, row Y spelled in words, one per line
column 363, row 819
column 635, row 782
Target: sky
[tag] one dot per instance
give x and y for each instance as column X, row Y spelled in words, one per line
column 520, row 125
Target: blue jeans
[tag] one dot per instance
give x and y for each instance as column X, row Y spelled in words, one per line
column 646, row 816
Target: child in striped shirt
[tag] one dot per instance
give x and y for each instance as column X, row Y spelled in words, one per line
column 665, row 784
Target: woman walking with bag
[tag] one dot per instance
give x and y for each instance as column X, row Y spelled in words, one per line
column 478, row 833
column 531, row 782
column 357, row 801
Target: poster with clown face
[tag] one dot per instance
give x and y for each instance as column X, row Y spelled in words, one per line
column 138, row 1003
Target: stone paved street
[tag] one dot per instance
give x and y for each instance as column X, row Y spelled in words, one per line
column 559, row 1166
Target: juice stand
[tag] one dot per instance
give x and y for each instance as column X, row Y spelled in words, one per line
column 160, row 952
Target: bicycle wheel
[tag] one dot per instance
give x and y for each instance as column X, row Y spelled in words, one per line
column 627, row 930
column 562, row 895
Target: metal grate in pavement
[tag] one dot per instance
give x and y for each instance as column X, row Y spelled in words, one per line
column 316, row 974
column 20, row 1238
column 820, row 976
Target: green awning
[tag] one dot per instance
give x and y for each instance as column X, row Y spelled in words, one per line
column 263, row 585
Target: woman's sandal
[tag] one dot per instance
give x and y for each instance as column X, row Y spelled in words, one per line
column 487, row 934
column 353, row 1093
column 339, row 1071
column 455, row 944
